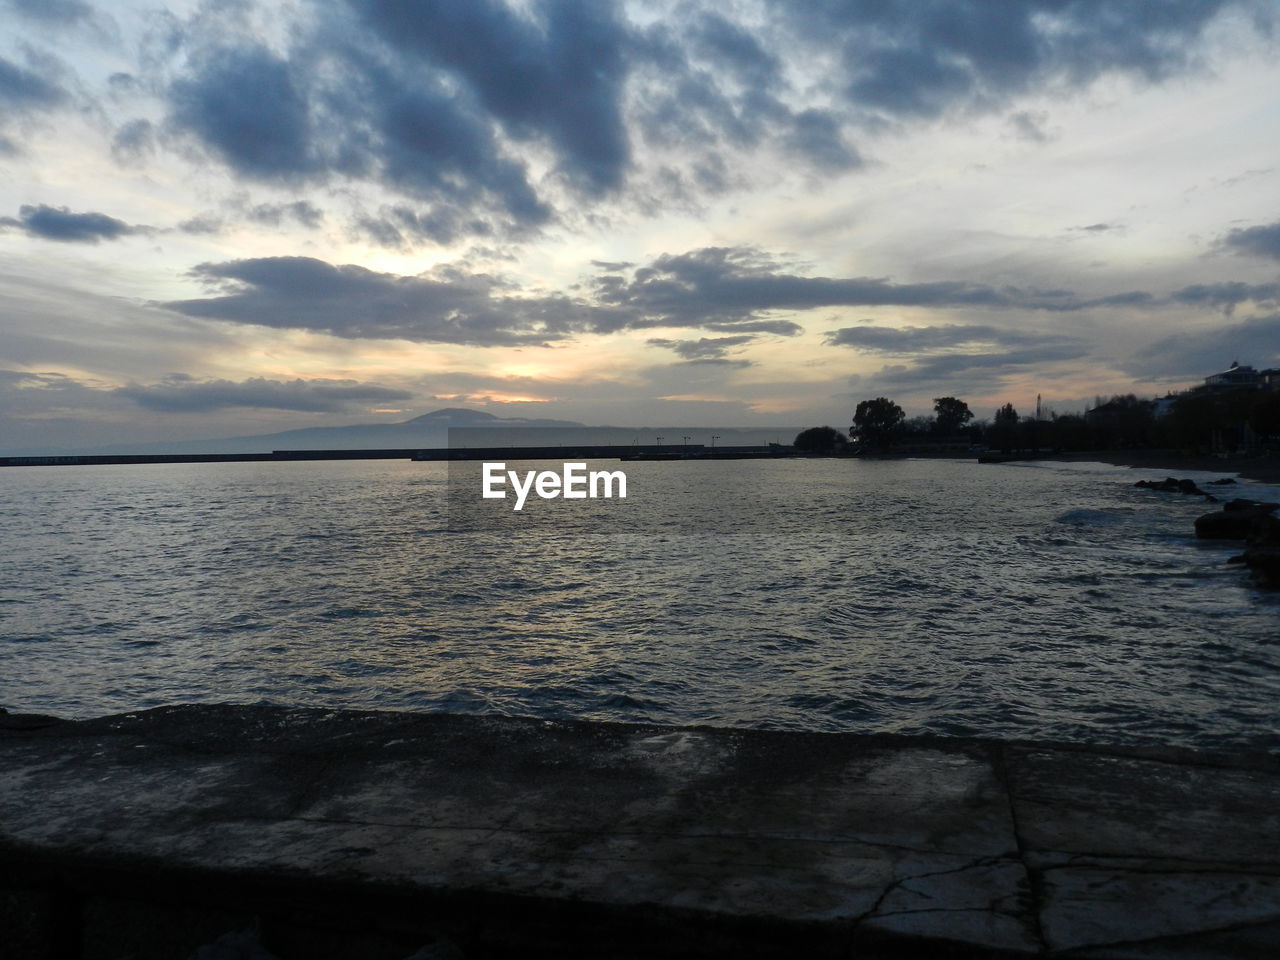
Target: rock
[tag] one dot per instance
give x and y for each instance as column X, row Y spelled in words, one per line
column 1170, row 485
column 1262, row 551
column 1221, row 483
column 1239, row 503
column 234, row 946
column 1231, row 523
column 439, row 949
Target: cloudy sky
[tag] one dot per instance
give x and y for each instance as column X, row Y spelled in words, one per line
column 235, row 216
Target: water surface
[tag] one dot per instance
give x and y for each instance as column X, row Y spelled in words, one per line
column 1051, row 601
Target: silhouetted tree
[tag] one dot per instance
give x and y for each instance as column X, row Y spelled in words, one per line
column 1005, row 428
column 1208, row 420
column 950, row 415
column 1069, row 432
column 877, row 423
column 820, row 440
column 1123, row 421
column 917, row 427
column 1264, row 415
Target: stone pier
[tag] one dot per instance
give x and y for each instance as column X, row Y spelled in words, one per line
column 313, row 834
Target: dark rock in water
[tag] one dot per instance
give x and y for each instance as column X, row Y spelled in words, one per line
column 1170, row 485
column 1221, row 483
column 1239, row 503
column 1262, row 551
column 1234, row 521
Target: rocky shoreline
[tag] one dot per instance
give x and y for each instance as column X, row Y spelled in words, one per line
column 1263, row 469
column 1252, row 521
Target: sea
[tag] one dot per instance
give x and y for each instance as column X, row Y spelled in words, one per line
column 1032, row 601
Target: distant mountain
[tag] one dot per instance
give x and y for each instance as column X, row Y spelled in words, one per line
column 427, row 431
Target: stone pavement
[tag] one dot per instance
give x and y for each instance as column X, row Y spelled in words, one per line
column 367, row 832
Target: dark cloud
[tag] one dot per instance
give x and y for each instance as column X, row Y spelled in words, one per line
column 732, row 291
column 949, row 365
column 734, row 49
column 203, row 225
column 719, row 362
column 133, row 140
column 282, row 120
column 1131, row 298
column 443, row 102
column 56, row 12
column 712, row 89
column 783, row 328
column 728, row 287
column 244, row 104
column 816, row 136
column 912, row 340
column 27, row 392
column 959, row 356
column 402, row 228
column 1227, row 295
column 443, row 306
column 1030, row 126
column 179, row 393
column 907, row 58
column 23, row 90
column 1261, row 241
column 1197, row 353
column 704, row 349
column 301, row 212
column 556, row 75
column 59, row 223
column 274, row 214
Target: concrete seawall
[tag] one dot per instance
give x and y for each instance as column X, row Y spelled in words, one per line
column 375, row 835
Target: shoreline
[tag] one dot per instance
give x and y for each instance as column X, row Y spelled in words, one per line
column 1264, row 469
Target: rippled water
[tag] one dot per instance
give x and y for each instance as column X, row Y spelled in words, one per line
column 1047, row 601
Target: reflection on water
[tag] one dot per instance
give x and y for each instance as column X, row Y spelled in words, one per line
column 1043, row 602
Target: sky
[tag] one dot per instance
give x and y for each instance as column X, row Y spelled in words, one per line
column 233, row 217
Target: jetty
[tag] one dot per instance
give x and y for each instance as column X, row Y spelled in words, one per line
column 311, row 833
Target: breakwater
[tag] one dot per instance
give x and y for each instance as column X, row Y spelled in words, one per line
column 544, row 452
column 322, row 834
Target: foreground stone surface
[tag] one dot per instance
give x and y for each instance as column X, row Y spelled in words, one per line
column 372, row 834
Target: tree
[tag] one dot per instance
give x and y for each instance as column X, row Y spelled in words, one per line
column 820, row 440
column 877, row 422
column 1209, row 420
column 951, row 415
column 1005, row 428
column 1264, row 415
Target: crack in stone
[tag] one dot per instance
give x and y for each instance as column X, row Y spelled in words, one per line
column 901, row 883
column 1035, row 897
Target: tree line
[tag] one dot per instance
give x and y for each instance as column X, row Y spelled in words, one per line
column 1199, row 421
